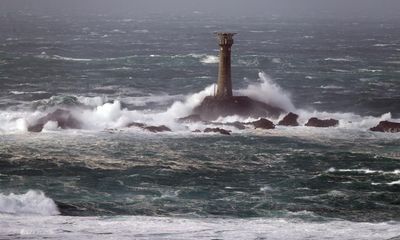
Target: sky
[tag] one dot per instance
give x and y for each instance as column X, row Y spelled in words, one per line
column 290, row 8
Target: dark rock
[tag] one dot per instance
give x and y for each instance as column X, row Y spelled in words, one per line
column 289, row 120
column 64, row 119
column 217, row 130
column 156, row 129
column 213, row 107
column 196, row 131
column 386, row 126
column 136, row 124
column 263, row 123
column 191, row 118
column 315, row 122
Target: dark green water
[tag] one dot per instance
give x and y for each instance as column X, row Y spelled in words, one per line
column 109, row 72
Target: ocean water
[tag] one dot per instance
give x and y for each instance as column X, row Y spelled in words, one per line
column 107, row 181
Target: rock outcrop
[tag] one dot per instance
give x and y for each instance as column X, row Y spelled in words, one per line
column 263, row 124
column 387, row 126
column 154, row 129
column 217, row 130
column 214, row 107
column 64, row 119
column 289, row 120
column 315, row 122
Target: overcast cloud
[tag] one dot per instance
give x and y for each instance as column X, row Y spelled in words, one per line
column 338, row 8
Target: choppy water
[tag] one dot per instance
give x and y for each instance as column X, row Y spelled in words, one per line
column 108, row 181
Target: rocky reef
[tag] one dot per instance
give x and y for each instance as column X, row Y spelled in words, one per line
column 387, row 126
column 289, row 120
column 322, row 123
column 63, row 118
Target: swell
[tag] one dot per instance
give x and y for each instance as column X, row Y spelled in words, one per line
column 99, row 113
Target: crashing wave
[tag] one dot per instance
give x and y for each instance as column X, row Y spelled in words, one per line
column 100, row 112
column 30, row 203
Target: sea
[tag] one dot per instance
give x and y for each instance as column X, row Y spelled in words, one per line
column 109, row 181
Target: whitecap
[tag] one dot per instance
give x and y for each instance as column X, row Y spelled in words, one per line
column 345, row 59
column 31, row 203
column 141, row 31
column 365, row 171
column 209, row 59
column 331, row 87
column 394, row 183
column 383, row 44
column 369, row 70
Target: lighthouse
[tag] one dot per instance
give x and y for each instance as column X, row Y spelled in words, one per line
column 223, row 103
column 224, row 84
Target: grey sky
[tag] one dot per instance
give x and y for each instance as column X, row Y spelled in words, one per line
column 339, row 8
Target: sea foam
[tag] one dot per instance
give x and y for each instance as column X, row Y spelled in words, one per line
column 141, row 227
column 101, row 112
column 31, row 203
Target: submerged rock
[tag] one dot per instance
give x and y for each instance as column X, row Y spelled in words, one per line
column 386, row 126
column 156, row 129
column 217, row 130
column 213, row 107
column 315, row 122
column 289, row 120
column 64, row 119
column 263, row 123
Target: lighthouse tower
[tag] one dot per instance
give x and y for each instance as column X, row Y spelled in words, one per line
column 223, row 104
column 224, row 85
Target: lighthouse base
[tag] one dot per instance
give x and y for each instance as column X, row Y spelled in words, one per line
column 214, row 107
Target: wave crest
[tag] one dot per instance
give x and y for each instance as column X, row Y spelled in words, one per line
column 31, row 203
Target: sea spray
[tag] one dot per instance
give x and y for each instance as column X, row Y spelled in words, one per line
column 269, row 92
column 30, row 203
column 99, row 112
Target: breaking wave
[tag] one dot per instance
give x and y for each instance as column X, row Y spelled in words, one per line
column 344, row 59
column 31, row 203
column 210, row 59
column 266, row 90
column 192, row 228
column 100, row 112
column 45, row 56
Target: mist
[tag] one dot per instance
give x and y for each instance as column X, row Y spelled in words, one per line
column 223, row 8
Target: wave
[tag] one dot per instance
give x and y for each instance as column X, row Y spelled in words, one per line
column 141, row 31
column 102, row 112
column 331, row 87
column 21, row 93
column 45, row 56
column 31, row 203
column 344, row 59
column 384, row 44
column 369, row 70
column 120, row 227
column 209, row 59
column 365, row 171
column 266, row 90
